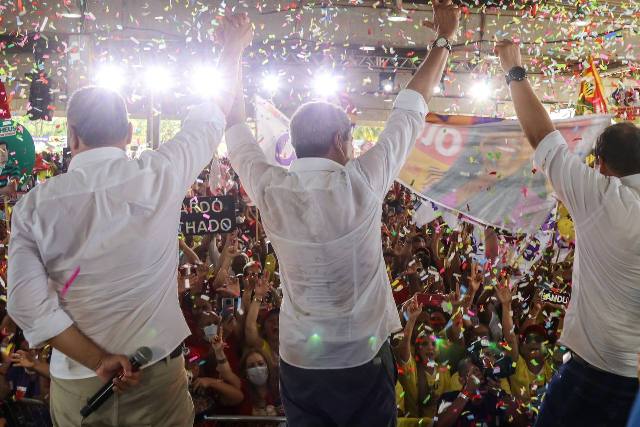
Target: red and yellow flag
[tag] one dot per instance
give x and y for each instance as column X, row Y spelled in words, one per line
column 591, row 98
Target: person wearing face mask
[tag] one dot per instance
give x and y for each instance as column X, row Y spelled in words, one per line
column 259, row 388
column 323, row 218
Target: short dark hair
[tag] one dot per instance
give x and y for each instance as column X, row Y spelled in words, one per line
column 619, row 147
column 464, row 364
column 98, row 116
column 314, row 126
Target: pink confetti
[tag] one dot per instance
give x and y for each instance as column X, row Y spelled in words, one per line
column 65, row 288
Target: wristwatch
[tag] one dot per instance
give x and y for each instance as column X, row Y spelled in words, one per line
column 442, row 42
column 517, row 74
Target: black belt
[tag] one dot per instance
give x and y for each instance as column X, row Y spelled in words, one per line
column 584, row 363
column 179, row 351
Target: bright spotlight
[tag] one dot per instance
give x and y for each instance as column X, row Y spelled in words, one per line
column 326, row 84
column 481, row 90
column 206, row 81
column 437, row 90
column 158, row 79
column 387, row 86
column 271, row 83
column 110, row 76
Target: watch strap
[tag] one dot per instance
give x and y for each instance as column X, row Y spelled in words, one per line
column 447, row 44
column 517, row 74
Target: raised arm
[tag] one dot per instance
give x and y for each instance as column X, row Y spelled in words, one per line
column 189, row 253
column 504, row 296
column 223, row 367
column 381, row 164
column 192, row 148
column 580, row 187
column 534, row 119
column 413, row 310
column 446, row 17
column 252, row 336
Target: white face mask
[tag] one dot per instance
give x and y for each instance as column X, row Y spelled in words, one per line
column 258, row 375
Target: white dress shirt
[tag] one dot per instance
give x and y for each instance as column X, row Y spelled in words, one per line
column 117, row 219
column 324, row 221
column 602, row 321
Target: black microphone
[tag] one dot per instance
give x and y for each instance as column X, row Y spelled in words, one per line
column 141, row 357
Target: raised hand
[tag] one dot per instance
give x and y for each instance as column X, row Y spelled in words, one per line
column 262, row 285
column 413, row 308
column 236, row 32
column 446, row 17
column 509, row 54
column 503, row 293
column 231, row 288
column 475, row 276
column 231, row 245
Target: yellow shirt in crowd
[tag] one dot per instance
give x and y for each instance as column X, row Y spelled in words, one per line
column 440, row 381
column 523, row 380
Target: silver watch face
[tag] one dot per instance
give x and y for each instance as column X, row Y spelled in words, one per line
column 441, row 42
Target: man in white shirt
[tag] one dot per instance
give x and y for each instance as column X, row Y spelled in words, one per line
column 113, row 223
column 323, row 217
column 601, row 326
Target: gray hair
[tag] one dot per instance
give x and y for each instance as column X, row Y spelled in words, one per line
column 98, row 116
column 314, row 126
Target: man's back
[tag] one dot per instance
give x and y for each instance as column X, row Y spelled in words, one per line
column 117, row 221
column 114, row 219
column 601, row 320
column 324, row 220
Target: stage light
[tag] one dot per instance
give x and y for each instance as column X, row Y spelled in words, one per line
column 158, row 79
column 71, row 15
column 481, row 90
column 326, row 84
column 271, row 83
column 110, row 76
column 437, row 90
column 386, row 82
column 206, row 81
column 367, row 48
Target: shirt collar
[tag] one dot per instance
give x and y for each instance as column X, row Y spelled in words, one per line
column 631, row 181
column 308, row 164
column 96, row 155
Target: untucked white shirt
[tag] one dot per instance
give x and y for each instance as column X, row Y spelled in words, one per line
column 324, row 221
column 602, row 320
column 117, row 219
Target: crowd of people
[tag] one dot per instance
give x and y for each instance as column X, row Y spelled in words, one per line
column 469, row 296
column 290, row 311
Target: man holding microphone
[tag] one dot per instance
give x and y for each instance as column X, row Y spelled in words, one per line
column 93, row 257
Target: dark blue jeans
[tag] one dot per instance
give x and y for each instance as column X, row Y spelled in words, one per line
column 579, row 395
column 353, row 397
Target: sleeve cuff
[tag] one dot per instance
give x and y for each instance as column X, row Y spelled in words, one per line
column 207, row 112
column 237, row 135
column 47, row 327
column 409, row 99
column 549, row 142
